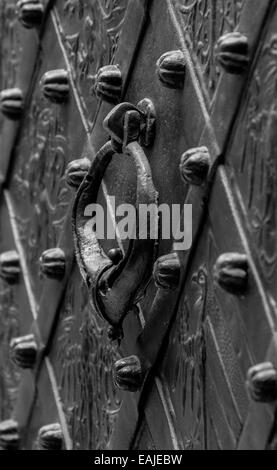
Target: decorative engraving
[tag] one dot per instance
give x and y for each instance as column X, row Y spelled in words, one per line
column 255, row 161
column 203, row 22
column 84, row 363
column 10, row 46
column 9, row 327
column 188, row 377
column 90, row 32
column 39, row 178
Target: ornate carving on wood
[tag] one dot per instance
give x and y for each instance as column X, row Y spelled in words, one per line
column 90, row 32
column 187, row 380
column 84, row 364
column 203, row 22
column 40, row 181
column 10, row 46
column 255, row 157
column 9, row 327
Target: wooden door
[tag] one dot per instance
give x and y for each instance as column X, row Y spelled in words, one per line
column 183, row 353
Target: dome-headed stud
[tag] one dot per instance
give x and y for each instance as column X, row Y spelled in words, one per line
column 232, row 53
column 9, row 435
column 262, row 383
column 195, row 166
column 76, row 171
column 115, row 255
column 167, row 271
column 52, row 263
column 128, row 374
column 24, row 351
column 10, row 267
column 171, row 69
column 108, row 85
column 50, row 437
column 11, row 103
column 231, row 273
column 55, row 86
column 30, row 12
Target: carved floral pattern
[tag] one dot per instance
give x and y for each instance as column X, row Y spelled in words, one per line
column 10, row 47
column 188, row 376
column 257, row 167
column 83, row 362
column 9, row 328
column 39, row 177
column 203, row 22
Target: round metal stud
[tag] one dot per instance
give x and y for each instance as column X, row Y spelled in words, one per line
column 52, row 263
column 55, row 86
column 30, row 12
column 76, row 171
column 262, row 383
column 232, row 53
column 167, row 271
column 24, row 351
column 50, row 437
column 11, row 103
column 9, row 435
column 128, row 374
column 10, row 268
column 195, row 166
column 231, row 273
column 171, row 69
column 108, row 86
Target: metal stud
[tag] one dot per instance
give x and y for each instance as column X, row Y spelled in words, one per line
column 10, row 267
column 50, row 437
column 55, row 86
column 24, row 351
column 231, row 273
column 128, row 374
column 232, row 53
column 11, row 103
column 262, row 383
column 108, row 86
column 76, row 171
column 30, row 12
column 9, row 435
column 167, row 271
column 52, row 263
column 171, row 69
column 195, row 166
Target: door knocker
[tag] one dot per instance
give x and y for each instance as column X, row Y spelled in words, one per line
column 116, row 287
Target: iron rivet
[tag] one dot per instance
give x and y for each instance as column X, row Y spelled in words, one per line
column 232, row 53
column 55, row 86
column 52, row 263
column 128, row 374
column 195, row 166
column 76, row 171
column 10, row 267
column 167, row 272
column 11, row 103
column 30, row 12
column 262, row 383
column 171, row 69
column 108, row 86
column 231, row 273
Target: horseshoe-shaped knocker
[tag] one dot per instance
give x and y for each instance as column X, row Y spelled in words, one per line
column 115, row 288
